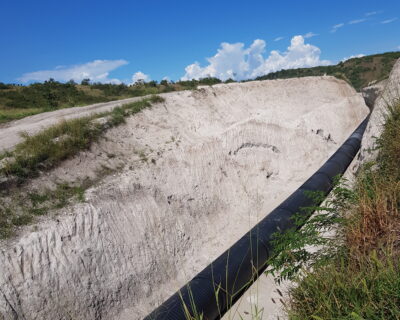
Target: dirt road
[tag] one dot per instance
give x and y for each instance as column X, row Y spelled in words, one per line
column 10, row 132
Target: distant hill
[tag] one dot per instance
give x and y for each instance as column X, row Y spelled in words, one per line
column 18, row 101
column 357, row 71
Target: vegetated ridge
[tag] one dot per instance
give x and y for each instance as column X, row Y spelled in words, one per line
column 354, row 271
column 17, row 101
column 359, row 72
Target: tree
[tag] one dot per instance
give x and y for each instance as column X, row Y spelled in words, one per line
column 85, row 82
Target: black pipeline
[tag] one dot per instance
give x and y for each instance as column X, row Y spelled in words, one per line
column 213, row 291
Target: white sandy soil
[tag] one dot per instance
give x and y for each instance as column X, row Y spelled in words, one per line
column 194, row 174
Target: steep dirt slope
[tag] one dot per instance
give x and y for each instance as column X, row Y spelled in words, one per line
column 196, row 172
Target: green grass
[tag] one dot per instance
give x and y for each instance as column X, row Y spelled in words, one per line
column 11, row 114
column 51, row 146
column 342, row 290
column 360, row 277
column 46, row 150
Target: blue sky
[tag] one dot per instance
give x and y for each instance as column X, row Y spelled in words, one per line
column 113, row 40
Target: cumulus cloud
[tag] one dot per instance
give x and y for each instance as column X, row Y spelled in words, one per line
column 353, row 56
column 357, row 21
column 336, row 27
column 309, row 35
column 279, row 38
column 388, row 21
column 97, row 71
column 235, row 61
column 140, row 77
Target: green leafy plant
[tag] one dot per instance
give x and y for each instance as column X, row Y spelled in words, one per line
column 291, row 249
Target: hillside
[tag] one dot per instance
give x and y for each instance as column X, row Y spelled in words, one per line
column 359, row 72
column 17, row 101
column 111, row 231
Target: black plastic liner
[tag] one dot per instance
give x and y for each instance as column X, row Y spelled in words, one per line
column 214, row 290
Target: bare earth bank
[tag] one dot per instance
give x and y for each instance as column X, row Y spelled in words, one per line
column 196, row 172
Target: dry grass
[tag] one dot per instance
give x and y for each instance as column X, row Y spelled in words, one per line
column 363, row 280
column 376, row 220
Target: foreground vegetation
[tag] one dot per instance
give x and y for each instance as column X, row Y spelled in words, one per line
column 44, row 151
column 356, row 273
column 359, row 72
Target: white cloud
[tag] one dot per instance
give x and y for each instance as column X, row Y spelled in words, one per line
column 336, row 27
column 97, row 71
column 388, row 21
column 353, row 56
column 140, row 77
column 309, row 35
column 357, row 21
column 372, row 13
column 398, row 48
column 235, row 61
column 279, row 38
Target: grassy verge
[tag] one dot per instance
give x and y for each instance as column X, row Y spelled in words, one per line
column 51, row 146
column 15, row 114
column 355, row 274
column 46, row 150
column 18, row 101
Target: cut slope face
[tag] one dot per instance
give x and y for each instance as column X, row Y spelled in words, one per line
column 196, row 173
column 390, row 93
